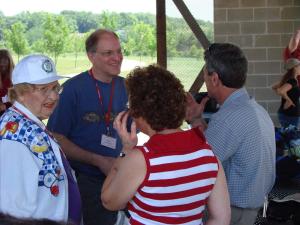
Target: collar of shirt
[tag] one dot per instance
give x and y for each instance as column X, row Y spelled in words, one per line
column 238, row 94
column 29, row 114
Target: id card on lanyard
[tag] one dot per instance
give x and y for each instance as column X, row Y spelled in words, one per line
column 106, row 139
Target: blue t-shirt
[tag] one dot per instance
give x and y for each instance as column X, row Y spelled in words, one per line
column 79, row 116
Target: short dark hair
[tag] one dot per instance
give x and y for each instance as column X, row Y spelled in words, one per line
column 229, row 62
column 92, row 40
column 156, row 95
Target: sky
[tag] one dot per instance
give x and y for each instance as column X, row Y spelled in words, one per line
column 201, row 9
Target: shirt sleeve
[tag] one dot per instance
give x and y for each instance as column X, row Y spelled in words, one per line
column 63, row 119
column 18, row 180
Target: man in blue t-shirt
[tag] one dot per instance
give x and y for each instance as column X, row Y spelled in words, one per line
column 82, row 121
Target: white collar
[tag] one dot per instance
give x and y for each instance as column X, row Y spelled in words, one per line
column 29, row 114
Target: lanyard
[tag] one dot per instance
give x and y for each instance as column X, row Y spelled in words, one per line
column 107, row 115
column 27, row 117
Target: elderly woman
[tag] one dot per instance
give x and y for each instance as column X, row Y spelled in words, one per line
column 172, row 178
column 35, row 177
column 6, row 67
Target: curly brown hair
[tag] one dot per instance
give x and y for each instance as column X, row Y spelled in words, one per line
column 156, row 95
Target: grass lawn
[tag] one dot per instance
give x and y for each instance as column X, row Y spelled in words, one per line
column 186, row 69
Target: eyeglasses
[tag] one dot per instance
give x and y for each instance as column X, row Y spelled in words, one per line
column 110, row 53
column 46, row 90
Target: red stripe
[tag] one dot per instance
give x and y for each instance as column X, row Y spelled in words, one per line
column 170, row 151
column 188, row 141
column 169, row 220
column 176, row 195
column 183, row 165
column 182, row 180
column 166, row 209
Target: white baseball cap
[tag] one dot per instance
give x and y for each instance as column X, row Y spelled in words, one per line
column 35, row 69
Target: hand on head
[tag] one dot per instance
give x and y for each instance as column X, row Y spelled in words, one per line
column 194, row 110
column 129, row 139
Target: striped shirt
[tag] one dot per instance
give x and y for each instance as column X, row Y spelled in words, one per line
column 181, row 172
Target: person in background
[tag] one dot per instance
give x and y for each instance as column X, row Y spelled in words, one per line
column 241, row 133
column 293, row 48
column 289, row 90
column 6, row 68
column 173, row 177
column 82, row 121
column 36, row 180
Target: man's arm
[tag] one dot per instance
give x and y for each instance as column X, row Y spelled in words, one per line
column 77, row 153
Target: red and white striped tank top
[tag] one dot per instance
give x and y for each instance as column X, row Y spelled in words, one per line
column 181, row 172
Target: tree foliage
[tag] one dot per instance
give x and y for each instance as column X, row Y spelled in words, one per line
column 15, row 38
column 56, row 34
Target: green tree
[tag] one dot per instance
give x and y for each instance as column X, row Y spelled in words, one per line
column 109, row 20
column 38, row 46
column 141, row 39
column 55, row 33
column 83, row 21
column 15, row 39
column 78, row 43
column 195, row 52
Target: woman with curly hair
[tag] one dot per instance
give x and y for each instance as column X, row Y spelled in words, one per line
column 175, row 175
column 6, row 68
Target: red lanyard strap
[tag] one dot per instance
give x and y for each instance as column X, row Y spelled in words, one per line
column 107, row 115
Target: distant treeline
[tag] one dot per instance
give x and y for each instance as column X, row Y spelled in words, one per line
column 65, row 32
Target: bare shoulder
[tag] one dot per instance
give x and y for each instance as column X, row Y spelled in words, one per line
column 134, row 157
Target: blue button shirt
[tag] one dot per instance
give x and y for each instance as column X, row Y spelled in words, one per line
column 242, row 136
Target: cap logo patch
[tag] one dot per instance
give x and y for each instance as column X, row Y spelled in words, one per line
column 47, row 66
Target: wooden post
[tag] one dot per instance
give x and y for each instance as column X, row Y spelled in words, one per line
column 161, row 33
column 190, row 20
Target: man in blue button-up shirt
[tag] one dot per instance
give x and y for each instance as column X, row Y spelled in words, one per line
column 241, row 133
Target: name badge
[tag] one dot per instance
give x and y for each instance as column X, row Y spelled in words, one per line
column 108, row 141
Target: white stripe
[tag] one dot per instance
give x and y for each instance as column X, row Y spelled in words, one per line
column 179, row 187
column 186, row 213
column 146, row 149
column 181, row 158
column 183, row 172
column 172, row 202
column 152, row 222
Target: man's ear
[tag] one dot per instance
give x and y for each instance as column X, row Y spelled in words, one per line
column 215, row 79
column 91, row 56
